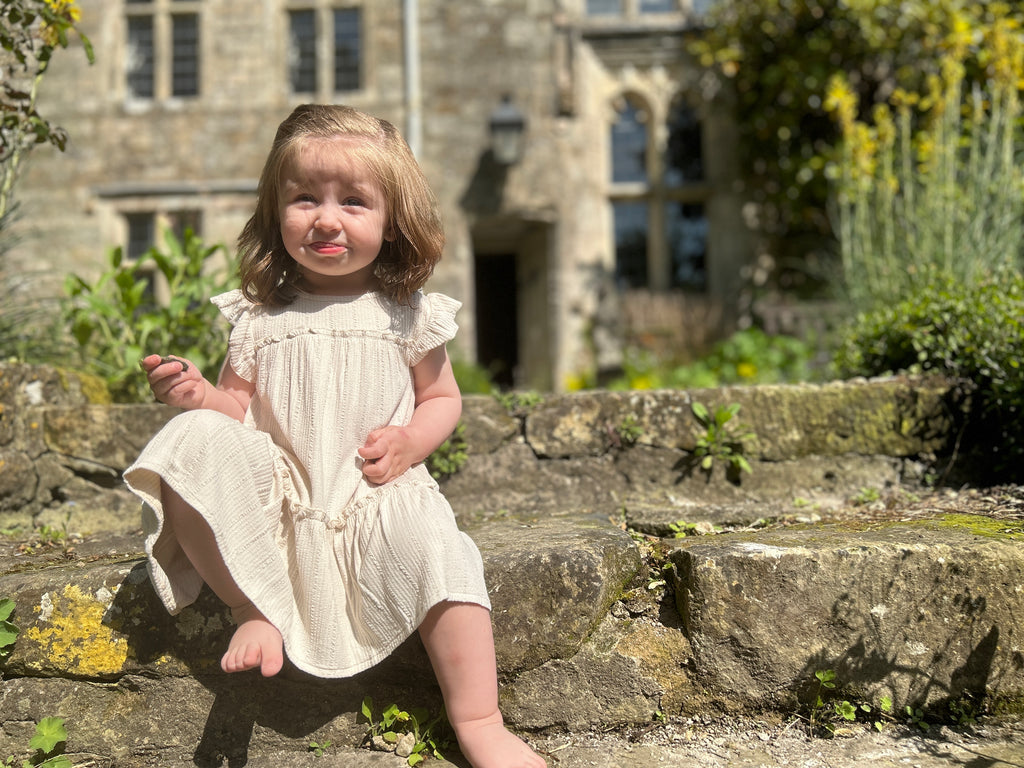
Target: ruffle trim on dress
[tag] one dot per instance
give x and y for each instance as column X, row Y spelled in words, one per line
column 238, row 311
column 438, row 326
column 412, row 350
column 372, row 499
column 232, row 304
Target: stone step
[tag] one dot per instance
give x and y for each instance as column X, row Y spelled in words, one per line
column 597, row 628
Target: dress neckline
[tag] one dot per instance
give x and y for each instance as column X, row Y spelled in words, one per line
column 339, row 298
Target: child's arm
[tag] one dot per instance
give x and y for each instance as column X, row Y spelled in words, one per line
column 179, row 383
column 390, row 451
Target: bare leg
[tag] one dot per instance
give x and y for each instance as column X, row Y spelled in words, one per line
column 458, row 639
column 256, row 642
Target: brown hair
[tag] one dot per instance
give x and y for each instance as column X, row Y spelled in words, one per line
column 270, row 276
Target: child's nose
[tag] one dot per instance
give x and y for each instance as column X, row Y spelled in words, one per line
column 329, row 218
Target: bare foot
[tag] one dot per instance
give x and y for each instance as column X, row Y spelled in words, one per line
column 488, row 744
column 256, row 643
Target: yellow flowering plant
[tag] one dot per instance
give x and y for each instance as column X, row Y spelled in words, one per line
column 928, row 185
column 774, row 59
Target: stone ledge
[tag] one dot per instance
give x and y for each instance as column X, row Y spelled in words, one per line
column 923, row 612
column 62, row 451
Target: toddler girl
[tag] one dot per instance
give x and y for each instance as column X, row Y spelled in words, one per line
column 295, row 487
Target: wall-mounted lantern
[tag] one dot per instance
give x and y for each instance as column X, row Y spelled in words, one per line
column 507, row 126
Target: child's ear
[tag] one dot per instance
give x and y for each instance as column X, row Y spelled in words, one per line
column 389, row 233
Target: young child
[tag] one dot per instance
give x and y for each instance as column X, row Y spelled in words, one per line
column 295, row 487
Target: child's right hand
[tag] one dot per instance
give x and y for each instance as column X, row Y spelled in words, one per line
column 174, row 381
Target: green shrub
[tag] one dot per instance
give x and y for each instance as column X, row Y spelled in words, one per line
column 750, row 356
column 971, row 332
column 473, row 379
column 116, row 321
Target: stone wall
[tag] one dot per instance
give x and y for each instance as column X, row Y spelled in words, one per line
column 63, row 447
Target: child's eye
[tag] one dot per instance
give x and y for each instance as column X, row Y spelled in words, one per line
column 352, row 201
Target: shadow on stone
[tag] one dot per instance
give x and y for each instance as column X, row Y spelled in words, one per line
column 230, row 714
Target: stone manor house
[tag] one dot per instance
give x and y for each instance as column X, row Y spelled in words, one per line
column 584, row 164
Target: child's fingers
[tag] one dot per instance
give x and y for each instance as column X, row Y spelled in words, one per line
column 151, row 362
column 374, row 447
column 375, row 470
column 184, row 365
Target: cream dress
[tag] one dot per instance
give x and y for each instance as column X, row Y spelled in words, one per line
column 345, row 569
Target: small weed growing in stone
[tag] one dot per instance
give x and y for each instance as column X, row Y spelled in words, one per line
column 50, row 537
column 829, row 716
column 410, row 735
column 515, row 401
column 866, row 496
column 629, row 429
column 656, row 582
column 47, row 742
column 50, row 734
column 681, row 529
column 962, row 711
column 915, row 718
column 721, row 441
column 319, row 748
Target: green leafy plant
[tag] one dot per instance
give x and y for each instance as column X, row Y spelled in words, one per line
column 516, row 401
column 472, row 378
column 866, row 496
column 50, row 734
column 915, row 718
column 660, row 580
column 424, row 735
column 681, row 529
column 722, row 441
column 973, row 333
column 963, row 711
column 8, row 631
column 828, row 715
column 319, row 748
column 750, row 356
column 629, row 429
column 117, row 320
column 450, row 456
column 48, row 743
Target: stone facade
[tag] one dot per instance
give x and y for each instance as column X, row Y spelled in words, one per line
column 537, row 234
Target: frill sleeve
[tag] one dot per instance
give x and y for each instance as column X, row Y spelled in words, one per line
column 241, row 350
column 436, row 325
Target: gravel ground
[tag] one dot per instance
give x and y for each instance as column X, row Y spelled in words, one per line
column 732, row 744
column 750, row 743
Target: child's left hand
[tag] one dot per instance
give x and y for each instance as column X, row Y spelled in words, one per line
column 387, row 453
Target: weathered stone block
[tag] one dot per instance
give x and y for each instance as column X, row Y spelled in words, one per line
column 551, row 583
column 920, row 612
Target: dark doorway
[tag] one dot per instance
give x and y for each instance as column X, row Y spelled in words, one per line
column 497, row 321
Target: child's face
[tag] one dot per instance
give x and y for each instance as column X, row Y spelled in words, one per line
column 333, row 218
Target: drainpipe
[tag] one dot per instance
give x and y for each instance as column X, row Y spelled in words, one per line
column 413, row 95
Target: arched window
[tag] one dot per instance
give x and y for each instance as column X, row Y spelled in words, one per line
column 629, row 143
column 658, row 200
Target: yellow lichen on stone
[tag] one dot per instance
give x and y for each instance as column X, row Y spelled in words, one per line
column 75, row 639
